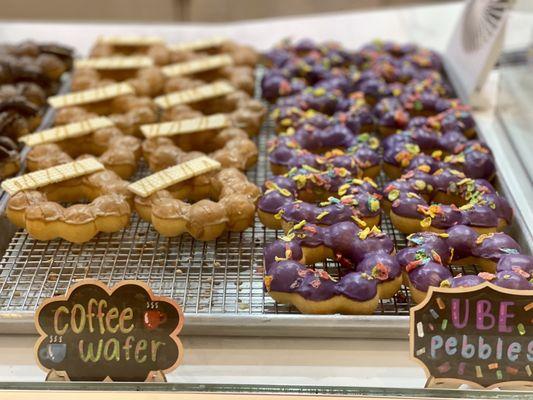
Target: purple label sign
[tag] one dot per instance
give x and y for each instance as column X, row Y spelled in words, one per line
column 481, row 335
column 122, row 333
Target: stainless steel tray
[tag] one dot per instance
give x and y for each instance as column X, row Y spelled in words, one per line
column 219, row 284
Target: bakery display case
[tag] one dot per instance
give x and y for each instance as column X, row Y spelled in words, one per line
column 243, row 280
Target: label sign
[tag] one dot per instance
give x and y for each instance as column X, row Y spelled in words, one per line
column 482, row 336
column 95, row 333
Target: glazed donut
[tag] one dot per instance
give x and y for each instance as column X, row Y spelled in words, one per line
column 427, row 259
column 375, row 273
column 117, row 152
column 232, row 207
column 18, row 117
column 156, row 51
column 419, row 146
column 127, row 112
column 231, row 147
column 246, row 112
column 390, row 115
column 422, row 201
column 323, row 148
column 242, row 55
column 41, row 214
column 148, row 81
column 319, row 197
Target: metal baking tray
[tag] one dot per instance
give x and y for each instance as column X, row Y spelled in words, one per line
column 219, row 284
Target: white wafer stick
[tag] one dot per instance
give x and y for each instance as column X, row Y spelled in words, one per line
column 111, row 63
column 195, row 66
column 199, row 93
column 68, row 131
column 56, row 174
column 91, row 96
column 170, row 176
column 186, row 126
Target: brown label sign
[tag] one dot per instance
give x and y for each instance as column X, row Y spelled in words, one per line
column 122, row 333
column 482, row 336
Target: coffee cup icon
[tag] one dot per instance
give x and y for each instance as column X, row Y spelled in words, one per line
column 153, row 318
column 54, row 352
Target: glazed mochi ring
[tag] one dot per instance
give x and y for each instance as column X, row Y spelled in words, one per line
column 148, row 81
column 39, row 211
column 246, row 112
column 232, row 207
column 231, row 147
column 117, row 152
column 420, row 201
column 319, row 197
column 426, row 261
column 419, row 146
column 289, row 280
column 128, row 113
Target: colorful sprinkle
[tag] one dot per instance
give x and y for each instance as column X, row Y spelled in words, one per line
column 421, row 351
column 441, row 303
column 426, row 222
column 499, row 375
column 420, row 329
column 528, row 307
column 322, row 215
column 479, row 373
column 461, row 368
column 511, row 370
column 444, row 324
column 528, row 370
column 521, row 329
column 493, row 366
column 434, row 313
column 445, row 367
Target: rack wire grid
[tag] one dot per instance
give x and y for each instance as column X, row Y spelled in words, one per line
column 221, row 276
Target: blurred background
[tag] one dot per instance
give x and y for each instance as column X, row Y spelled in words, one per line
column 183, row 10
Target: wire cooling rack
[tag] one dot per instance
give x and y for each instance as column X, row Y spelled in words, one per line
column 218, row 277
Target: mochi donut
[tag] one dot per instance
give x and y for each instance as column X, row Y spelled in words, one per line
column 246, row 112
column 117, row 152
column 334, row 146
column 147, row 81
column 420, row 146
column 427, row 259
column 224, row 200
column 422, row 201
column 230, row 146
column 39, row 211
column 128, row 113
column 155, row 49
column 372, row 272
column 319, row 197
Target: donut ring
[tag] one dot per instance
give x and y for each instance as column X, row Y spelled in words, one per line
column 289, row 280
column 421, row 201
column 127, row 112
column 299, row 148
column 246, row 112
column 158, row 51
column 408, row 150
column 119, row 153
column 146, row 81
column 39, row 211
column 233, row 207
column 426, row 261
column 337, row 195
column 231, row 147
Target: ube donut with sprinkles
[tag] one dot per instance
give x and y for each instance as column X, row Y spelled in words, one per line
column 427, row 259
column 321, row 149
column 319, row 197
column 374, row 272
column 419, row 146
column 421, row 201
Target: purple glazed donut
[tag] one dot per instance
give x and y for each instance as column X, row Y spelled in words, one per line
column 427, row 259
column 319, row 197
column 420, row 146
column 421, row 201
column 374, row 272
